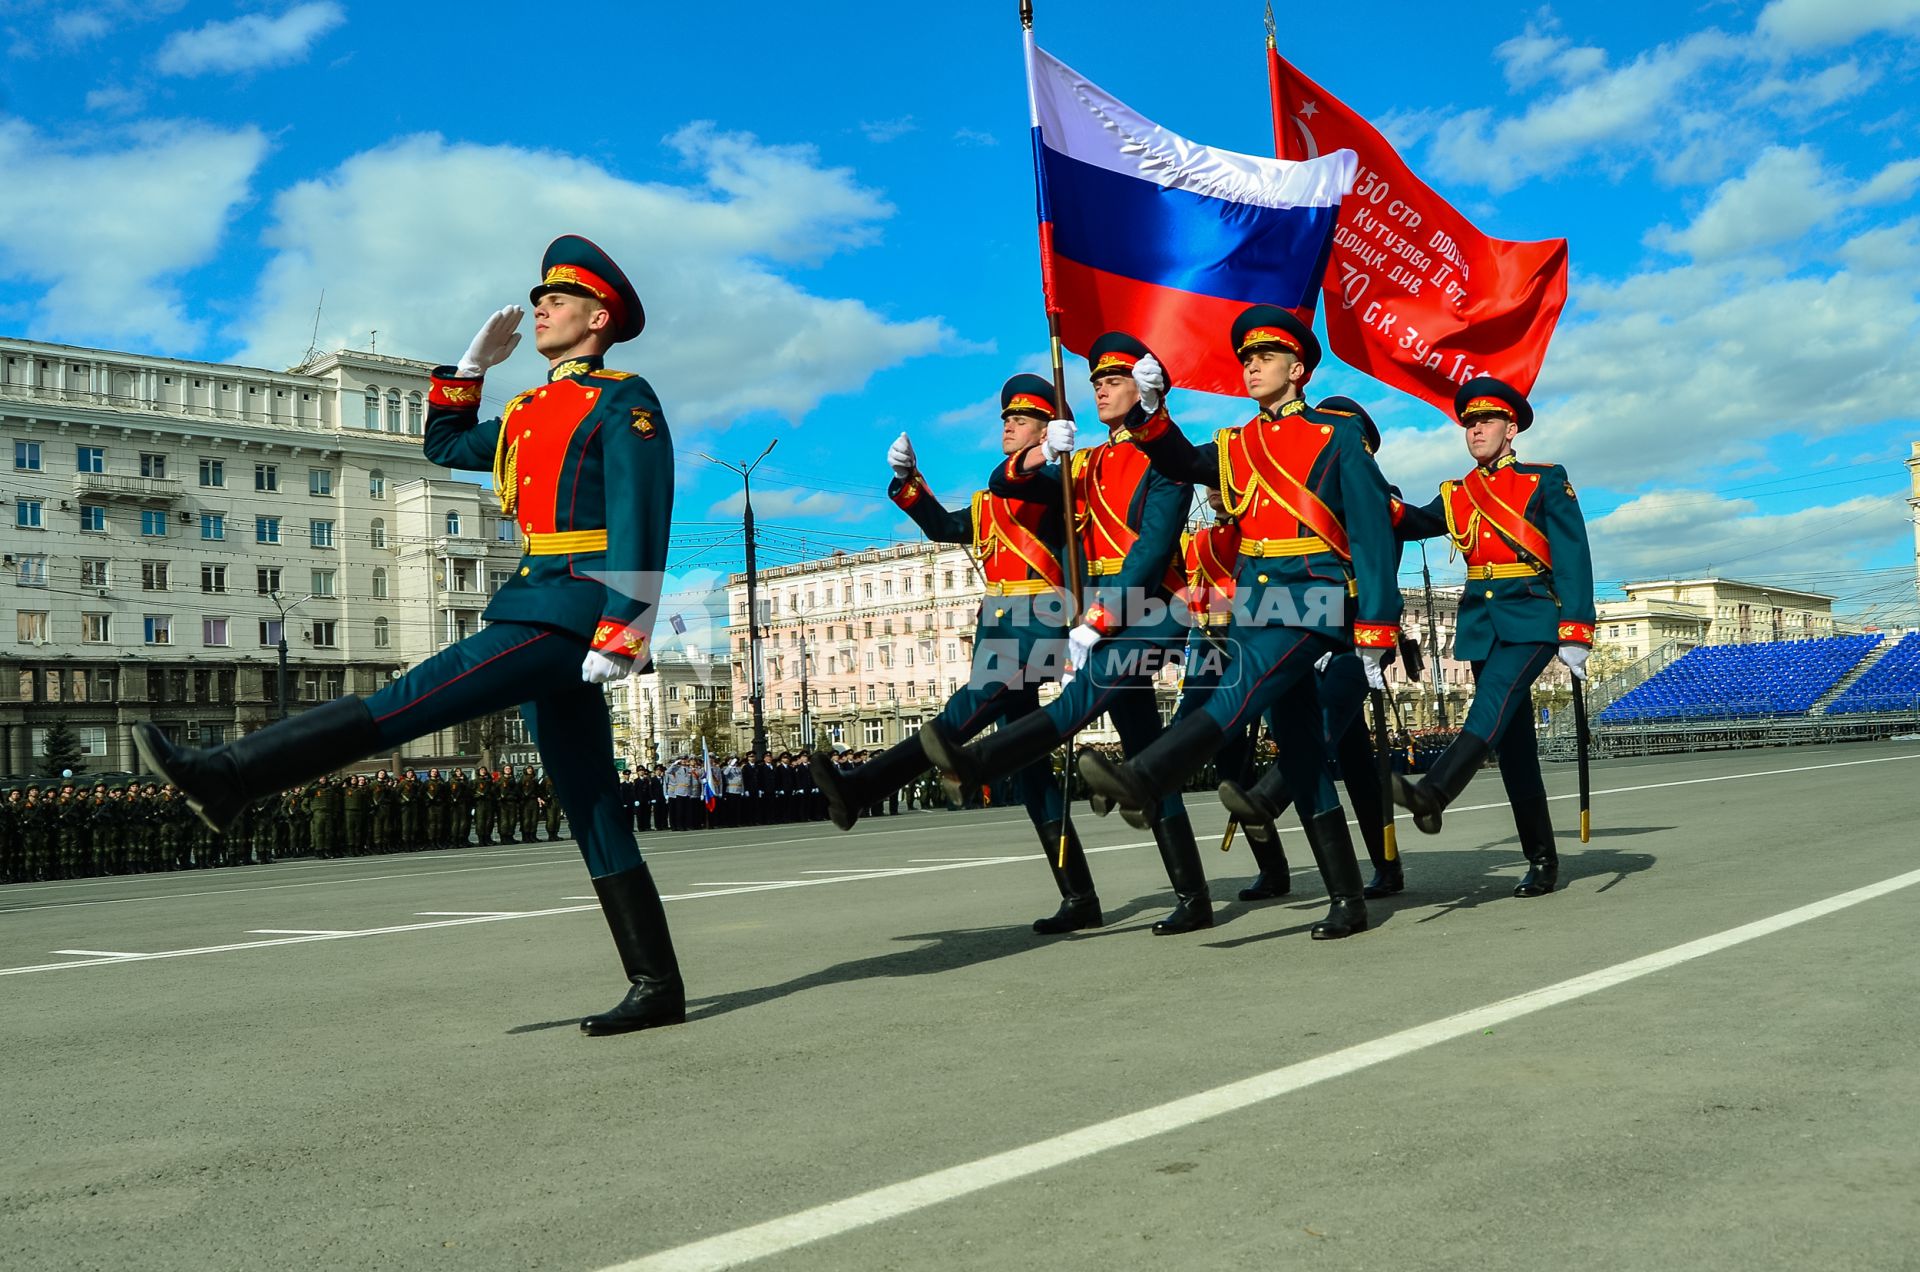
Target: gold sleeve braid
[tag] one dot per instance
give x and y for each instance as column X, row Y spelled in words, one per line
column 1221, row 446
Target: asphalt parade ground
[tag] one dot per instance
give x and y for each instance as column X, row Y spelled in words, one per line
column 1699, row 1054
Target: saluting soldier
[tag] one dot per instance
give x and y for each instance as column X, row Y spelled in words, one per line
column 353, row 814
column 584, row 465
column 1315, row 532
column 384, row 808
column 1018, row 638
column 1129, row 518
column 1528, row 599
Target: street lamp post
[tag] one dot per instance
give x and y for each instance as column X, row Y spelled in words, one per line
column 755, row 698
column 285, row 609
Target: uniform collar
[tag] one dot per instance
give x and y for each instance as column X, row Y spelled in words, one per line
column 1281, row 412
column 574, row 368
column 1507, row 460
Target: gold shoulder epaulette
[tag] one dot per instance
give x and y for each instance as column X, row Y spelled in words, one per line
column 605, row 374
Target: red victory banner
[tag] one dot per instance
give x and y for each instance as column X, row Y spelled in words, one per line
column 1416, row 297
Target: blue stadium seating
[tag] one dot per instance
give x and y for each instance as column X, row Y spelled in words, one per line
column 1892, row 684
column 1735, row 681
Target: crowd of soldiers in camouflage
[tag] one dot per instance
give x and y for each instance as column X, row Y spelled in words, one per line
column 67, row 829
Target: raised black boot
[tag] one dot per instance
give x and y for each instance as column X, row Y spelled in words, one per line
column 1256, row 808
column 639, row 925
column 1158, row 770
column 220, row 781
column 1011, row 747
column 1443, row 783
column 848, row 793
column 1079, row 903
column 1333, row 853
column 1193, row 904
column 1535, row 823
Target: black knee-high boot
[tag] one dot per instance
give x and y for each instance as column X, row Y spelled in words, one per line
column 848, row 793
column 1443, row 783
column 638, row 922
column 1256, row 808
column 1193, row 904
column 1158, row 770
column 219, row 782
column 1009, row 748
column 1535, row 823
column 1079, row 903
column 1333, row 853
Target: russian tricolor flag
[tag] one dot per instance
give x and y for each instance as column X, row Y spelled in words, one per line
column 1145, row 232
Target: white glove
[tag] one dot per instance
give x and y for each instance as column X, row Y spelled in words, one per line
column 598, row 668
column 1320, row 663
column 1372, row 658
column 495, row 343
column 1080, row 643
column 1060, row 438
column 900, row 457
column 1151, row 379
column 1575, row 656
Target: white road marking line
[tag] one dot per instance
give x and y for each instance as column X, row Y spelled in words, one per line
column 746, row 883
column 300, row 932
column 109, row 955
column 465, row 914
column 853, row 870
column 776, row 1236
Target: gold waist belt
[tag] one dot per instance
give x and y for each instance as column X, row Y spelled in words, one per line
column 562, row 542
column 1515, row 570
column 1105, row 565
column 1019, row 587
column 1283, row 547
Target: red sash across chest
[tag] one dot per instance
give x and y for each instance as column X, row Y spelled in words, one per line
column 1213, row 554
column 1006, row 538
column 1267, row 464
column 1105, row 478
column 1486, row 517
column 536, row 432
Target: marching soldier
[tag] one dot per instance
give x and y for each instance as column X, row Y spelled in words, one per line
column 550, row 805
column 1018, row 632
column 1129, row 518
column 1529, row 596
column 1315, row 532
column 584, row 465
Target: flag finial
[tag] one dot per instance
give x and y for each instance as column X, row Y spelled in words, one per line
column 1271, row 43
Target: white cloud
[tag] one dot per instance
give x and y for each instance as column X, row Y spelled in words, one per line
column 1891, row 184
column 105, row 230
column 1782, row 196
column 79, row 26
column 1885, row 249
column 1537, row 54
column 248, row 43
column 975, row 137
column 422, row 238
column 1815, row 92
column 1809, row 24
column 882, row 131
column 116, row 99
column 1669, row 532
column 780, row 503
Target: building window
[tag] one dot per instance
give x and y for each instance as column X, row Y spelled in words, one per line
column 213, row 525
column 27, row 514
column 377, row 534
column 96, row 629
column 213, row 632
column 453, row 524
column 159, row 629
column 323, row 583
column 268, row 579
column 33, row 627
column 503, row 531
column 414, row 415
column 266, row 477
column 90, row 459
column 393, row 410
column 94, row 571
column 871, row 731
column 323, row 634
column 320, row 481
column 33, row 571
column 152, row 465
column 376, row 485
column 381, row 634
column 320, row 534
column 26, row 457
column 153, row 523
column 153, row 576
column 496, row 579
column 379, row 584
column 213, row 472
column 270, row 632
column 266, row 529
column 213, row 578
column 93, row 518
column 373, row 407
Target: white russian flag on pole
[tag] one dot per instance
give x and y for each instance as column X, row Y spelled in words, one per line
column 1145, row 232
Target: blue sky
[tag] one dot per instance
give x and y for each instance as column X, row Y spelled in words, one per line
column 829, row 211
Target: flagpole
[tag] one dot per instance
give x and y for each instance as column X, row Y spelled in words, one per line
column 1072, row 562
